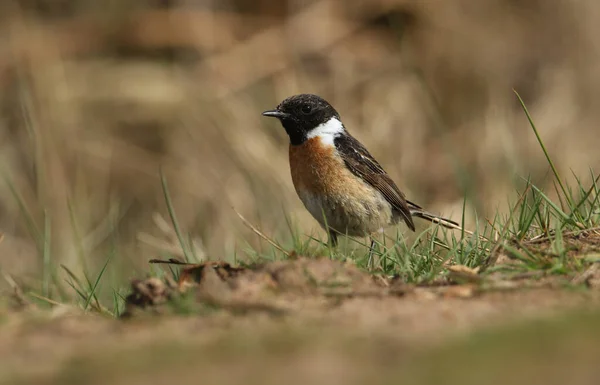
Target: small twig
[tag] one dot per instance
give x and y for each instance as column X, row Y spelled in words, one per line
column 383, row 281
column 45, row 299
column 540, row 237
column 171, row 261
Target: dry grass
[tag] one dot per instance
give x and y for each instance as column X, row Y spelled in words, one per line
column 95, row 99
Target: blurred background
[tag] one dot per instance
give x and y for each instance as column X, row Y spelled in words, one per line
column 95, row 97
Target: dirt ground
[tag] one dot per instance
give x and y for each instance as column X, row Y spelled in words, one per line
column 313, row 321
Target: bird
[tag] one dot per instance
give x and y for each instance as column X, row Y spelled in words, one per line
column 340, row 183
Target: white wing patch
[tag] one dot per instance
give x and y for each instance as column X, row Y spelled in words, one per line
column 327, row 131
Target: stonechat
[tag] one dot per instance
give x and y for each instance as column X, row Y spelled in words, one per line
column 344, row 188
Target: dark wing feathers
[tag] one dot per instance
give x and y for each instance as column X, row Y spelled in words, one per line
column 362, row 164
column 413, row 205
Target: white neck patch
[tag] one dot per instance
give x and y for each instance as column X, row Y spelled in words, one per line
column 327, row 131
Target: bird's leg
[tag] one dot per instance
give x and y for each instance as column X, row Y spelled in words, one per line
column 371, row 251
column 333, row 240
column 372, row 247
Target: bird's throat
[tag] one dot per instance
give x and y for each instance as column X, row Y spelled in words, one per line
column 296, row 134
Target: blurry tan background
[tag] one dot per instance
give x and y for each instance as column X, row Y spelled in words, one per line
column 95, row 96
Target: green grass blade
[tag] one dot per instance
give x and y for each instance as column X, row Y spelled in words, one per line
column 553, row 205
column 71, row 275
column 92, row 294
column 541, row 142
column 77, row 290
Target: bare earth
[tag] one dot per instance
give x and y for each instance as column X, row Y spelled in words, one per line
column 307, row 321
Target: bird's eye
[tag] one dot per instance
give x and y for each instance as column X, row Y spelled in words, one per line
column 306, row 109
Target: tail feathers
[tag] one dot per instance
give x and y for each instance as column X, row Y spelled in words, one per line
column 417, row 211
column 450, row 224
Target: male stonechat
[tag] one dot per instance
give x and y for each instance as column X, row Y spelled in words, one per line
column 344, row 188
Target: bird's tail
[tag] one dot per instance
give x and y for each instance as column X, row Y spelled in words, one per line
column 417, row 211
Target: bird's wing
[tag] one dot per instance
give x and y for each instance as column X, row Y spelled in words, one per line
column 362, row 164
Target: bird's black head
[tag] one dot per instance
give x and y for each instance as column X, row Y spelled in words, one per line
column 300, row 114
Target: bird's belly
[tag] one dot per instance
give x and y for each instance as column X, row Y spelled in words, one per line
column 334, row 196
column 354, row 216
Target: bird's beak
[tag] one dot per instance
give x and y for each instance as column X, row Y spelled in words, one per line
column 275, row 114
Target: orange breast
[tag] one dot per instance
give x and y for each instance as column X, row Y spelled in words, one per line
column 315, row 167
column 328, row 189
